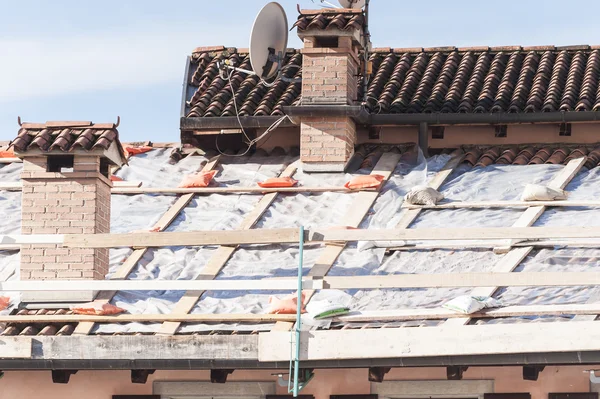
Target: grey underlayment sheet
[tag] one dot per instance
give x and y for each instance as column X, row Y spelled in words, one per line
column 222, row 212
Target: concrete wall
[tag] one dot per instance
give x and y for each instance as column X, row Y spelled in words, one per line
column 456, row 136
column 104, row 384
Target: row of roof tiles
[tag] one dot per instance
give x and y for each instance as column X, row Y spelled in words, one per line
column 531, row 155
column 346, row 20
column 65, row 136
column 511, row 81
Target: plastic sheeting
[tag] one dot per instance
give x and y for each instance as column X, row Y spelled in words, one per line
column 220, row 212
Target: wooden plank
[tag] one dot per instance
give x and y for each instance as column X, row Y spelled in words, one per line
column 478, row 340
column 290, row 235
column 218, row 260
column 15, row 348
column 11, row 185
column 441, row 313
column 132, row 260
column 357, row 317
column 10, row 160
column 446, row 280
column 133, row 188
column 441, row 280
column 353, row 217
column 124, row 184
column 504, row 204
column 153, row 318
column 146, row 347
column 515, row 256
column 449, row 234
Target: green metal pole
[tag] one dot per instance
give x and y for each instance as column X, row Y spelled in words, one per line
column 299, row 310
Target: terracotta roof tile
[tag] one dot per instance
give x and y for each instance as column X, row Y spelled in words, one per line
column 531, row 155
column 57, row 136
column 329, row 19
column 413, row 80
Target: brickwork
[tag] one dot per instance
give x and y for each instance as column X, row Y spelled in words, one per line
column 75, row 202
column 327, row 139
column 329, row 76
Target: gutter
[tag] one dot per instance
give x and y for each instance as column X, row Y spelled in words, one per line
column 516, row 360
column 229, row 122
column 363, row 117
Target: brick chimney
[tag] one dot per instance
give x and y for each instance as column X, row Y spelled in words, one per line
column 333, row 40
column 66, row 190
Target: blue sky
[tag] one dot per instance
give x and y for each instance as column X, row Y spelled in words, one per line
column 83, row 60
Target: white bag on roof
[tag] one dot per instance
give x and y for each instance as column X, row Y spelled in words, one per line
column 535, row 192
column 468, row 304
column 423, row 195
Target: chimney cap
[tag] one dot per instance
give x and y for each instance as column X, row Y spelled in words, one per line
column 69, row 137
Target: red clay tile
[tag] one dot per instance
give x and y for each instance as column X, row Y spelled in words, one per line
column 508, row 156
column 412, row 80
column 472, row 156
column 557, row 157
column 66, row 139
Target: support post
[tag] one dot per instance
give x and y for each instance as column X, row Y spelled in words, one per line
column 298, row 313
column 424, row 138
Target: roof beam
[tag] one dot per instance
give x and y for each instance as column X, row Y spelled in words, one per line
column 219, row 259
column 355, row 317
column 515, row 256
column 353, row 217
column 126, row 187
column 132, row 260
column 435, row 280
column 225, row 122
column 432, row 341
column 505, row 204
column 289, row 236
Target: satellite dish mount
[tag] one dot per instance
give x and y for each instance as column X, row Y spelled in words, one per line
column 268, row 43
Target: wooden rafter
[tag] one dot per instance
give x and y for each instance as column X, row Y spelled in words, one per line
column 216, row 263
column 478, row 340
column 355, row 317
column 290, row 235
column 353, row 217
column 515, row 256
column 133, row 188
column 507, row 204
column 436, row 280
column 132, row 260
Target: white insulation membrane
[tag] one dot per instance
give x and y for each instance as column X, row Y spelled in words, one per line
column 224, row 212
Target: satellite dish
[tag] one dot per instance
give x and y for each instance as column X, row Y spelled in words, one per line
column 356, row 4
column 268, row 40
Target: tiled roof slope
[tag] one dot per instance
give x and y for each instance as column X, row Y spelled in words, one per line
column 531, row 155
column 211, row 95
column 65, row 136
column 448, row 80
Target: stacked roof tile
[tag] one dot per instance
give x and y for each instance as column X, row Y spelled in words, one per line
column 65, row 136
column 444, row 79
column 531, row 155
column 330, row 19
column 40, row 328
